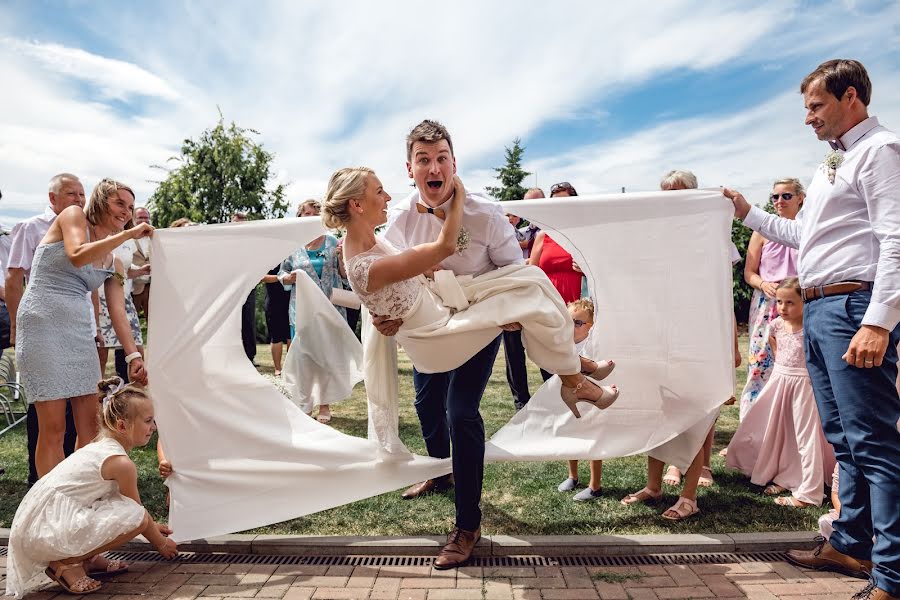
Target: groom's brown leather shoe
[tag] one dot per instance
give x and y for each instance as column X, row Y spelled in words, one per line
column 825, row 558
column 429, row 486
column 458, row 550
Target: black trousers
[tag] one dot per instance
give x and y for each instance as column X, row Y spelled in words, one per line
column 516, row 372
column 248, row 325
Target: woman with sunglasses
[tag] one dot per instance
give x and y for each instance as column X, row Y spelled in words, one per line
column 56, row 349
column 767, row 264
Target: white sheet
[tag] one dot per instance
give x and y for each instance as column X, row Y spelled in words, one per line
column 245, row 456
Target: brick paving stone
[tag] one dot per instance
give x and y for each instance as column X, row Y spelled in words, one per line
column 642, row 594
column 523, row 594
column 683, row 592
column 442, row 573
column 320, row 581
column 718, row 569
column 301, row 570
column 467, row 572
column 215, row 579
column 186, row 592
column 299, row 593
column 579, row 583
column 509, row 572
column 653, row 582
column 538, row 582
column 199, row 568
column 340, row 570
column 789, row 572
column 273, row 591
column 547, row 572
column 126, row 597
column 114, row 588
column 427, row 583
column 170, row 584
column 393, row 571
column 247, row 569
column 757, row 592
column 683, row 575
column 361, row 581
column 795, row 589
column 580, row 594
column 232, row 591
column 455, row 594
column 412, row 594
column 757, row 567
column 610, row 591
column 385, row 595
column 340, row 593
column 386, row 584
column 755, row 578
column 653, row 570
column 721, row 586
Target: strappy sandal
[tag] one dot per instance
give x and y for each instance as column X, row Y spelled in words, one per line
column 774, row 489
column 80, row 587
column 114, row 566
column 705, row 480
column 684, row 508
column 673, row 476
column 645, row 495
column 791, row 502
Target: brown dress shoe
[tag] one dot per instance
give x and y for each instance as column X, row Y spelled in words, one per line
column 458, row 550
column 429, row 486
column 825, row 558
column 870, row 592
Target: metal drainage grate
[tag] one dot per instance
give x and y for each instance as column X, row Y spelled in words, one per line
column 481, row 561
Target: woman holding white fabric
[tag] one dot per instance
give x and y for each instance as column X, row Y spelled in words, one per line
column 438, row 338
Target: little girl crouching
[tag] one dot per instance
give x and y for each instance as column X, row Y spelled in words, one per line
column 87, row 504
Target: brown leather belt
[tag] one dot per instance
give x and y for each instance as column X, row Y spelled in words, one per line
column 834, row 289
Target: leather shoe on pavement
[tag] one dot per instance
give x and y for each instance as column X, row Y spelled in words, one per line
column 825, row 558
column 870, row 592
column 458, row 550
column 429, row 486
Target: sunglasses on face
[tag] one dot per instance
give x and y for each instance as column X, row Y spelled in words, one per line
column 579, row 322
column 563, row 186
column 785, row 196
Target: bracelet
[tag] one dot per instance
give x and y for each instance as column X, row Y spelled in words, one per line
column 132, row 356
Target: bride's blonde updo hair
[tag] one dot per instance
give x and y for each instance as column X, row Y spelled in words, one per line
column 345, row 184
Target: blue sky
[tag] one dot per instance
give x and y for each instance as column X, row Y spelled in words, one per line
column 603, row 96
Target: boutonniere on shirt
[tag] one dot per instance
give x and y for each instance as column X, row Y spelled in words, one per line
column 833, row 160
column 462, row 240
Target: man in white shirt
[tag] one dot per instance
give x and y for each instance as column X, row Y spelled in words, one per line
column 448, row 403
column 848, row 235
column 65, row 191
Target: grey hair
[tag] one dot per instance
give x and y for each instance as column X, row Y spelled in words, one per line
column 798, row 187
column 673, row 178
column 535, row 189
column 57, row 181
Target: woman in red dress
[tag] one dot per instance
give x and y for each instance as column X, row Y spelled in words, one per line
column 561, row 270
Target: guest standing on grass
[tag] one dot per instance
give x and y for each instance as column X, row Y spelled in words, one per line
column 766, row 265
column 848, row 236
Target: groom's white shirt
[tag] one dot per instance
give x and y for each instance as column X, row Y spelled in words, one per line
column 492, row 239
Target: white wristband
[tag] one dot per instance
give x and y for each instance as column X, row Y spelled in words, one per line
column 132, row 356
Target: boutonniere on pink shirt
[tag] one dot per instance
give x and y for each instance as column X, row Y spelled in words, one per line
column 462, row 240
column 833, row 160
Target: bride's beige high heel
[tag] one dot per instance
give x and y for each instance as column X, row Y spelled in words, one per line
column 604, row 368
column 569, row 394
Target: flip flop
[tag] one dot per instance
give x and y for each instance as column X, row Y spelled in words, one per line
column 79, row 587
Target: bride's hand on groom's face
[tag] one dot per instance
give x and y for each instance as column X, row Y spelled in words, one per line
column 386, row 326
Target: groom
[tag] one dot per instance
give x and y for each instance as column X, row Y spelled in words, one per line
column 447, row 403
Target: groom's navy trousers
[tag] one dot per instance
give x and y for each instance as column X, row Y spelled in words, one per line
column 447, row 405
column 860, row 411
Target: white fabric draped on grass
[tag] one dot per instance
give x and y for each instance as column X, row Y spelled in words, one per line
column 245, row 456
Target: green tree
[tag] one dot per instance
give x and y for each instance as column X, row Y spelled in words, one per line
column 742, row 292
column 510, row 175
column 222, row 172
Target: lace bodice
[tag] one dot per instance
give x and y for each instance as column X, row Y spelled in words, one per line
column 394, row 300
column 789, row 351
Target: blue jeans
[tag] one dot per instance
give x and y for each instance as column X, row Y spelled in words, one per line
column 447, row 405
column 860, row 412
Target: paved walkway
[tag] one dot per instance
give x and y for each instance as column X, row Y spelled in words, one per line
column 756, row 580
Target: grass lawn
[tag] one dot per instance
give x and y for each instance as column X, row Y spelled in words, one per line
column 519, row 498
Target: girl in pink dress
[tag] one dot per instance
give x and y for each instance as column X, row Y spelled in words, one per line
column 780, row 439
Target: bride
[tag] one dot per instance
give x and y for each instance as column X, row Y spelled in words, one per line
column 448, row 319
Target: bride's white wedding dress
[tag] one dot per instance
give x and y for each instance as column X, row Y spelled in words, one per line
column 448, row 320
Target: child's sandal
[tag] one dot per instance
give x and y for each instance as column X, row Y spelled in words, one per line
column 645, row 495
column 683, row 509
column 706, row 477
column 791, row 502
column 113, row 566
column 774, row 489
column 673, row 476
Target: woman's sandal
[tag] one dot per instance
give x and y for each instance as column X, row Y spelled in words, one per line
column 774, row 489
column 645, row 495
column 83, row 585
column 706, row 477
column 604, row 368
column 673, row 476
column 791, row 502
column 683, row 509
column 113, row 566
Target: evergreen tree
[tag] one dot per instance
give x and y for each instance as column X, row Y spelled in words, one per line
column 510, row 175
